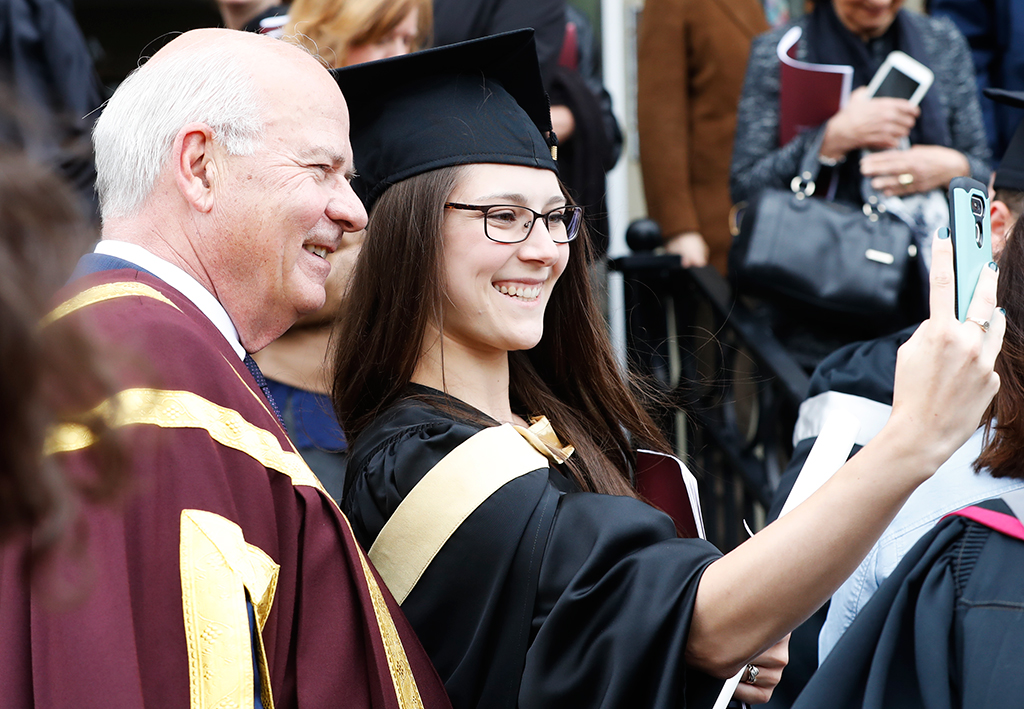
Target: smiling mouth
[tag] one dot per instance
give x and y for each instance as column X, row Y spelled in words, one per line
column 520, row 292
column 320, row 251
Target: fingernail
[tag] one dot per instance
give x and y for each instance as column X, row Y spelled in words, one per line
column 994, row 266
column 1001, row 311
column 944, row 233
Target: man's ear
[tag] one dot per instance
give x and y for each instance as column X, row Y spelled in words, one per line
column 194, row 166
column 1002, row 222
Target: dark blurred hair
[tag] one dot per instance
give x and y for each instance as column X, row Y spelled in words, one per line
column 571, row 376
column 1004, row 428
column 51, row 374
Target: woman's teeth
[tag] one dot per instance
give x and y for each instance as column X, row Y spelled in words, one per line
column 521, row 292
column 318, row 250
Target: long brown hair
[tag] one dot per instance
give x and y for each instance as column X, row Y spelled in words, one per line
column 571, row 376
column 1003, row 454
column 51, row 374
column 329, row 28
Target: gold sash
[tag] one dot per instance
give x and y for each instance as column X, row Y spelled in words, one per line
column 450, row 492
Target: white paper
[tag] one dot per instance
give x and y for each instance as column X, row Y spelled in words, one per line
column 828, row 454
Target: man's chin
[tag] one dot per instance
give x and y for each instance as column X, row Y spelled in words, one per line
column 313, row 312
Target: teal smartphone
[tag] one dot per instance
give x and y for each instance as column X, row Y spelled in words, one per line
column 970, row 228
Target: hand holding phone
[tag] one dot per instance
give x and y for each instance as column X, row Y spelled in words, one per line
column 970, row 227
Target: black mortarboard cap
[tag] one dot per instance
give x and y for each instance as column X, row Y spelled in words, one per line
column 1010, row 174
column 480, row 101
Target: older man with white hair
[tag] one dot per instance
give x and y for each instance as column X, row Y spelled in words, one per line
column 229, row 578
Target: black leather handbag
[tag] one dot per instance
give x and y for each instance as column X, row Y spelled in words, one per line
column 832, row 256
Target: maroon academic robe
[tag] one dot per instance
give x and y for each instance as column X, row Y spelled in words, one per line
column 222, row 509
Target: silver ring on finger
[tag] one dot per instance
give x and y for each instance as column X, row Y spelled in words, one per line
column 983, row 324
column 750, row 675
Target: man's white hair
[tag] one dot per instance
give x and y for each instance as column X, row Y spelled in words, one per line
column 134, row 136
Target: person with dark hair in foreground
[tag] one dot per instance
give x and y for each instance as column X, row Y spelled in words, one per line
column 858, row 379
column 51, row 373
column 230, row 578
column 493, row 434
column 944, row 629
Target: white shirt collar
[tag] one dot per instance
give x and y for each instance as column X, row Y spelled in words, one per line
column 181, row 282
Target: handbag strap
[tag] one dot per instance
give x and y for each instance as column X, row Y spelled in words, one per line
column 443, row 499
column 803, row 184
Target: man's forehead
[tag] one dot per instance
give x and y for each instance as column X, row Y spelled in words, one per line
column 268, row 59
column 303, row 86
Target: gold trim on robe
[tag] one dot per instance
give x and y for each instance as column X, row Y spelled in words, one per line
column 185, row 409
column 103, row 292
column 406, row 691
column 218, row 569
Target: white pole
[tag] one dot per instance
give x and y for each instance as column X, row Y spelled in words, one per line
column 614, row 25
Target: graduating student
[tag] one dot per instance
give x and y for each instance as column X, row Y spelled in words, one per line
column 493, row 433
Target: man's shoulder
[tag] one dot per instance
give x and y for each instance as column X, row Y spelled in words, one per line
column 137, row 307
column 152, row 335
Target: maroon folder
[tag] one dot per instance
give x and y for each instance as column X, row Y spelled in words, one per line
column 665, row 482
column 809, row 94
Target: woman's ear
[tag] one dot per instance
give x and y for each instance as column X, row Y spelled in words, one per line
column 194, row 167
column 1002, row 221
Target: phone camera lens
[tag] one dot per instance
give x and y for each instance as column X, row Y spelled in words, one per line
column 977, row 206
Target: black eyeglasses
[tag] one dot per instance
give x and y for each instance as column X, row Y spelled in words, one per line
column 512, row 223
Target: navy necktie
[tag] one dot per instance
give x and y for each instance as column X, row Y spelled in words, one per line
column 254, row 369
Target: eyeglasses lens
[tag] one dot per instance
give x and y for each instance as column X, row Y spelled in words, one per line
column 511, row 224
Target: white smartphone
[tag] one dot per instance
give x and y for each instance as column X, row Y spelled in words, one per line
column 901, row 76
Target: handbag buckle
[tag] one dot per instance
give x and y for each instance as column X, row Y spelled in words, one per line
column 802, row 185
column 873, row 207
column 880, row 257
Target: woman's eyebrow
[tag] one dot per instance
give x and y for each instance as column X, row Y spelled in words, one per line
column 513, row 198
column 516, row 198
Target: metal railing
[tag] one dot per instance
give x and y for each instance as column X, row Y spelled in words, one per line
column 733, row 389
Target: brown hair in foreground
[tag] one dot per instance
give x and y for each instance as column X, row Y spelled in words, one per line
column 571, row 376
column 1004, row 420
column 50, row 374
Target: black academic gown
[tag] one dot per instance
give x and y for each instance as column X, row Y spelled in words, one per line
column 545, row 596
column 945, row 630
